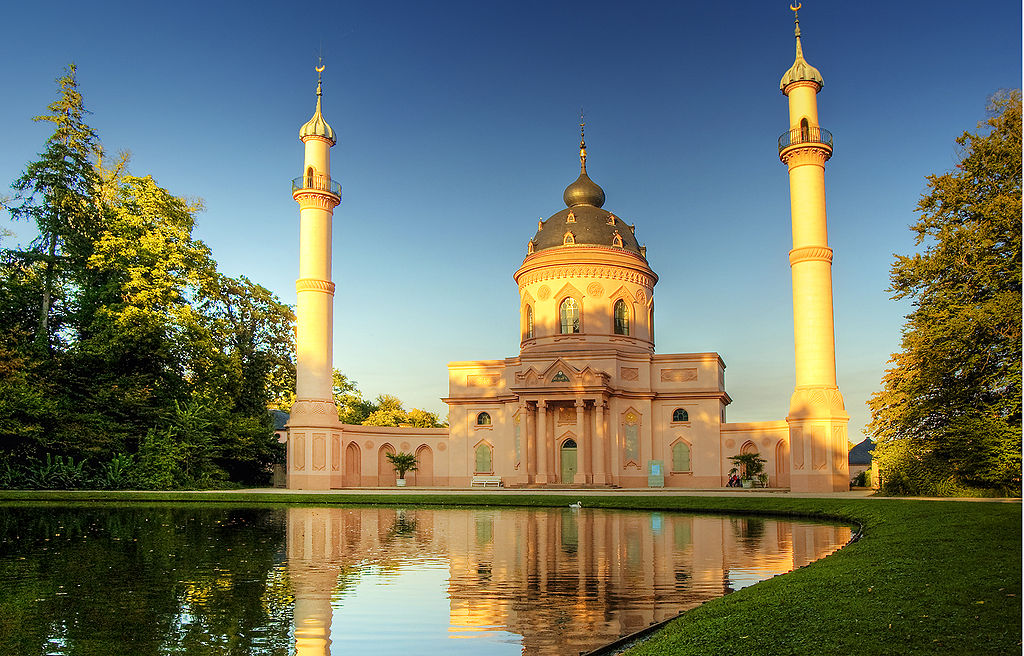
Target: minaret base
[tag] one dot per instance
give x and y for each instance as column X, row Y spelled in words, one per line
column 314, row 446
column 818, row 447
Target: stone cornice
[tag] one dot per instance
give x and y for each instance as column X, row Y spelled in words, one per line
column 586, row 261
column 814, row 154
column 315, row 199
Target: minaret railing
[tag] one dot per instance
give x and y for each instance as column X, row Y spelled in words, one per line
column 316, row 182
column 805, row 135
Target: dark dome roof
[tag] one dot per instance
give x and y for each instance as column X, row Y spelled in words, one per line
column 590, row 226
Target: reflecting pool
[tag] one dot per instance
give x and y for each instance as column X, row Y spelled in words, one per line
column 196, row 579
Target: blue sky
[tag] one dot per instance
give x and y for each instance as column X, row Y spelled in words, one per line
column 457, row 130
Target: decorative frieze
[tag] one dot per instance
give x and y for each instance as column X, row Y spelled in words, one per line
column 587, row 271
column 314, row 285
column 819, row 253
column 679, row 375
column 483, row 380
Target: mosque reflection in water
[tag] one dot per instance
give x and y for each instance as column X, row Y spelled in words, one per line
column 557, row 581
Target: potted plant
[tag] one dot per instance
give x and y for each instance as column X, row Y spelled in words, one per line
column 749, row 466
column 402, row 462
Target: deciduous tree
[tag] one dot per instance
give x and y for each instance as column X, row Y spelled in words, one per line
column 948, row 418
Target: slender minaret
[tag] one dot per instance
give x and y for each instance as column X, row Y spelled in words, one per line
column 314, row 435
column 817, row 418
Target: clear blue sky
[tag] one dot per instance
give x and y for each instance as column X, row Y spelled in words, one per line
column 456, row 126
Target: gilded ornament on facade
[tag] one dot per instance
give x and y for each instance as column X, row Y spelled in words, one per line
column 595, row 289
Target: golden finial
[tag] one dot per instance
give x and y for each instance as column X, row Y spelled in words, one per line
column 583, row 144
column 319, row 68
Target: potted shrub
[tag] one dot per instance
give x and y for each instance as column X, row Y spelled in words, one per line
column 750, row 466
column 402, row 462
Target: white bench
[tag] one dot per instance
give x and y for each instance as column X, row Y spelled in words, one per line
column 486, row 481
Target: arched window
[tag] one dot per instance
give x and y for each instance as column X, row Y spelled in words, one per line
column 483, row 419
column 529, row 322
column 483, row 460
column 650, row 322
column 681, row 457
column 805, row 131
column 309, row 178
column 680, row 414
column 569, row 311
column 621, row 318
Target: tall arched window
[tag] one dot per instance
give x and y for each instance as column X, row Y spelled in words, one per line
column 569, row 311
column 529, row 322
column 681, row 457
column 621, row 318
column 483, row 460
column 805, row 131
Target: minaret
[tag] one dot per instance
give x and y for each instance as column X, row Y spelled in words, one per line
column 314, row 435
column 817, row 418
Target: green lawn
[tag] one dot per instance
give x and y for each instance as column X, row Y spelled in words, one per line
column 927, row 577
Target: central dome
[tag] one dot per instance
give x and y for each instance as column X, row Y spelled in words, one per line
column 583, row 222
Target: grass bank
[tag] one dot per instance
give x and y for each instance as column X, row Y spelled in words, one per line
column 927, row 577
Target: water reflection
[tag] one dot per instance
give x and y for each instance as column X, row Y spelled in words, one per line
column 96, row 580
column 516, row 581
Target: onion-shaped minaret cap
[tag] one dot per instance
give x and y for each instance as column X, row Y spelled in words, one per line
column 800, row 71
column 317, row 126
column 583, row 191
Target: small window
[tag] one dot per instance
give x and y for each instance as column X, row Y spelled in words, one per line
column 483, row 460
column 568, row 239
column 483, row 419
column 621, row 318
column 679, row 414
column 309, row 178
column 805, row 131
column 681, row 457
column 529, row 322
column 569, row 312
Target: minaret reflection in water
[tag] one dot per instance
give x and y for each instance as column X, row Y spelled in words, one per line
column 520, row 581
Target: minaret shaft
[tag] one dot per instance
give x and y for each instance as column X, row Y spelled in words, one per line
column 314, row 431
column 817, row 417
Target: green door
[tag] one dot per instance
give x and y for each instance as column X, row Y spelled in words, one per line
column 568, row 461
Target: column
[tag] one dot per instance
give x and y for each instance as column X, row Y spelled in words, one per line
column 524, row 435
column 542, row 443
column 600, row 445
column 581, row 450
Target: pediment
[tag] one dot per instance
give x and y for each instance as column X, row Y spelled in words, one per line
column 562, row 374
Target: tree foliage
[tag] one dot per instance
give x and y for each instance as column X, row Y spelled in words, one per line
column 122, row 349
column 948, row 419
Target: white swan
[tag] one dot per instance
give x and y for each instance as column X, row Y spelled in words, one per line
column 576, row 506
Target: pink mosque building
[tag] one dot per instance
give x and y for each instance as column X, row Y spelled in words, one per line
column 586, row 401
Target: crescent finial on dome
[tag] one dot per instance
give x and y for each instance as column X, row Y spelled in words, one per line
column 317, row 126
column 800, row 71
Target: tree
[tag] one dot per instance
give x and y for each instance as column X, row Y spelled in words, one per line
column 948, row 419
column 57, row 192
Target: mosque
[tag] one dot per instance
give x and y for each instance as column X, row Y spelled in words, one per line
column 587, row 401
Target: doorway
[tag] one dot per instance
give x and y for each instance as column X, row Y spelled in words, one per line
column 568, row 461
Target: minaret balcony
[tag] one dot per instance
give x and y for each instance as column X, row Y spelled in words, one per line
column 320, row 183
column 806, row 136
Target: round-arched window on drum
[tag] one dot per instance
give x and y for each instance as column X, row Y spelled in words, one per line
column 569, row 313
column 621, row 313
